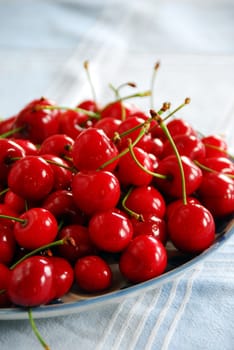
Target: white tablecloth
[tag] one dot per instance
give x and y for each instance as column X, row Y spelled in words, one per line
column 42, row 48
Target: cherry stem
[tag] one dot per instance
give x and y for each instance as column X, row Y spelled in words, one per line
column 116, row 90
column 137, row 94
column 167, row 133
column 38, row 250
column 129, row 211
column 186, row 101
column 131, row 150
column 156, row 68
column 204, row 167
column 86, row 67
column 219, row 149
column 11, row 132
column 35, row 330
column 125, row 151
column 77, row 109
column 3, row 216
column 4, row 191
column 72, row 169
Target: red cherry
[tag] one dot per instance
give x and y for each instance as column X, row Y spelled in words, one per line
column 92, row 148
column 31, row 282
column 7, row 244
column 61, row 170
column 216, row 193
column 115, row 110
column 179, row 126
column 187, row 145
column 191, row 228
column 38, row 227
column 129, row 172
column 59, row 145
column 31, row 178
column 63, row 276
column 4, row 281
column 6, row 125
column 71, row 123
column 9, row 151
column 108, row 125
column 37, row 123
column 89, row 105
column 110, row 231
column 6, row 210
column 29, row 147
column 149, row 224
column 177, row 203
column 215, row 146
column 82, row 244
column 220, row 164
column 144, row 258
column 14, row 201
column 95, row 191
column 61, row 204
column 146, row 199
column 93, row 274
column 173, row 186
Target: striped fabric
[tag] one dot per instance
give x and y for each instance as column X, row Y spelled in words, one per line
column 123, row 39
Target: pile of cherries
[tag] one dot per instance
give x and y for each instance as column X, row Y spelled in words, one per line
column 85, row 186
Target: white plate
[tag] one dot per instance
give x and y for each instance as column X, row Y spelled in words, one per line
column 74, row 302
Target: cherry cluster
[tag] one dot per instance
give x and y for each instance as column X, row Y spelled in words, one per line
column 82, row 186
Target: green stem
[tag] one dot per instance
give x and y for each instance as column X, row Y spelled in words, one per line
column 125, row 151
column 4, row 192
column 131, row 150
column 203, row 167
column 38, row 250
column 137, row 94
column 3, row 216
column 129, row 211
column 86, row 67
column 35, row 330
column 73, row 170
column 11, row 132
column 219, row 149
column 77, row 109
column 186, row 101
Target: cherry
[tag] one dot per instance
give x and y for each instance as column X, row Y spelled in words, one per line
column 61, row 204
column 37, row 123
column 95, row 191
column 116, row 110
column 4, row 281
column 31, row 178
column 146, row 199
column 93, row 274
column 71, row 123
column 15, row 202
column 6, row 125
column 9, row 151
column 109, row 126
column 129, row 173
column 172, row 186
column 110, row 231
column 220, row 164
column 216, row 193
column 191, row 228
column 149, row 224
column 63, row 276
column 177, row 203
column 143, row 259
column 89, row 105
column 5, row 212
column 92, row 148
column 34, row 228
column 31, row 282
column 7, row 244
column 187, row 145
column 29, row 147
column 215, row 146
column 61, row 170
column 178, row 126
column 59, row 145
column 81, row 246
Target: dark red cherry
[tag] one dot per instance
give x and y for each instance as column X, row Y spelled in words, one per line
column 31, row 282
column 179, row 126
column 59, row 145
column 92, row 148
column 37, row 123
column 191, row 228
column 31, row 178
column 63, row 276
column 215, row 146
column 4, row 281
column 143, row 259
column 108, row 125
column 29, row 147
column 93, row 274
column 7, row 244
column 15, row 202
column 6, row 125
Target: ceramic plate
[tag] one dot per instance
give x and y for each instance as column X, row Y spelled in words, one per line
column 75, row 301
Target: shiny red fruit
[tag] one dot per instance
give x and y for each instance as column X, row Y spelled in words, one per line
column 144, row 258
column 63, row 276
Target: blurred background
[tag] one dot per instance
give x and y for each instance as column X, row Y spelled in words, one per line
column 39, row 39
